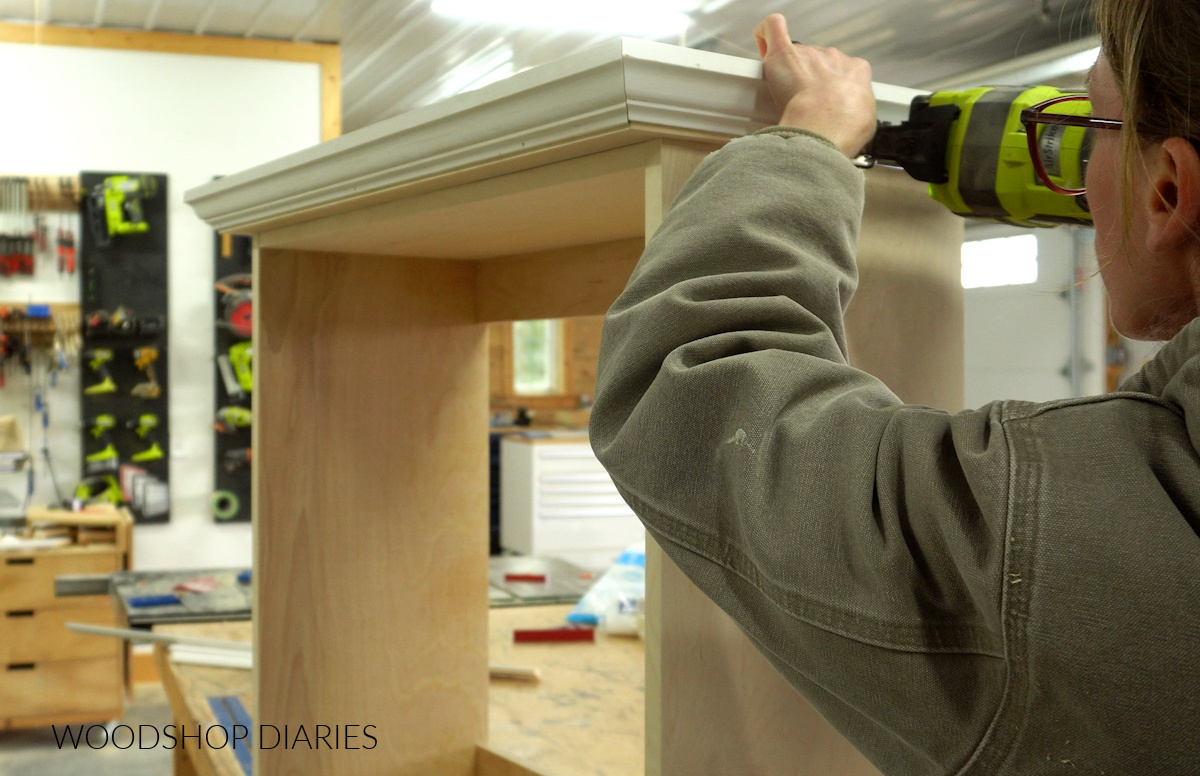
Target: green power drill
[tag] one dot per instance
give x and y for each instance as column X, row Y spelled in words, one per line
column 971, row 147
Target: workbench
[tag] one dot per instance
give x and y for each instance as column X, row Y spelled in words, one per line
column 380, row 257
column 584, row 718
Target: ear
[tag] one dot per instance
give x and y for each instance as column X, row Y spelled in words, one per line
column 1174, row 206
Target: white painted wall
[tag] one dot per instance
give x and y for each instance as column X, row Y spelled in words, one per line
column 189, row 117
column 1019, row 338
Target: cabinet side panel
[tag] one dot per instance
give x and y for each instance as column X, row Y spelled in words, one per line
column 370, row 512
column 905, row 324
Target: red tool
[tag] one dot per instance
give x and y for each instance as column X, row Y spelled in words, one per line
column 237, row 301
column 525, row 578
column 553, row 635
column 66, row 251
column 203, row 584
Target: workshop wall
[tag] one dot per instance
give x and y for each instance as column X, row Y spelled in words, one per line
column 1019, row 339
column 191, row 118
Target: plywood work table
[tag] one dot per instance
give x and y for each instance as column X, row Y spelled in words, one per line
column 380, row 258
column 583, row 719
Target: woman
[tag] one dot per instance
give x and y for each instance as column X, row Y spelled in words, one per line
column 1011, row 590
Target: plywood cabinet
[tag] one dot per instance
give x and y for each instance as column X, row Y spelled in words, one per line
column 380, row 259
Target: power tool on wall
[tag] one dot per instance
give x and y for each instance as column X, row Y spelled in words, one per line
column 114, row 207
column 971, row 147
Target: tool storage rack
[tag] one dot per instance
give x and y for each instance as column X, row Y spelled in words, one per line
column 380, row 257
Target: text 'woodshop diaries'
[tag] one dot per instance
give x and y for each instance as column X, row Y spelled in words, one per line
column 216, row 737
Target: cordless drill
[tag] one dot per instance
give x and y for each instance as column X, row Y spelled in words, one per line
column 972, row 149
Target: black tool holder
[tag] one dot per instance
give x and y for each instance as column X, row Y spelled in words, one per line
column 233, row 257
column 123, row 299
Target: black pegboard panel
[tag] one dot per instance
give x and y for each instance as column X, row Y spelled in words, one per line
column 129, row 273
column 233, row 257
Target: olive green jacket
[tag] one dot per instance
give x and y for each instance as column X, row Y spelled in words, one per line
column 1009, row 590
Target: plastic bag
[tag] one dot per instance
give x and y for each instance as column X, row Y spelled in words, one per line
column 616, row 603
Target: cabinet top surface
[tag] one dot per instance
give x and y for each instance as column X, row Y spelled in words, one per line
column 619, row 93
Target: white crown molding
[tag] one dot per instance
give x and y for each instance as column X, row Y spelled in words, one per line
column 603, row 93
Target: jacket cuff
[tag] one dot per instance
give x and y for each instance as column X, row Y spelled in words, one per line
column 798, row 132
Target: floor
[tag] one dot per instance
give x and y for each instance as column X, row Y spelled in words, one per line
column 35, row 753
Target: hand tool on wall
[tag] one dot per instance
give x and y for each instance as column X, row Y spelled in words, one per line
column 122, row 321
column 144, row 427
column 66, row 251
column 42, row 408
column 98, row 359
column 106, row 458
column 143, row 359
column 236, row 459
column 17, row 228
column 40, row 239
column 230, row 419
column 972, row 148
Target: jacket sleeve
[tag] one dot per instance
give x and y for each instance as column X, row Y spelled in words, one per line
column 857, row 541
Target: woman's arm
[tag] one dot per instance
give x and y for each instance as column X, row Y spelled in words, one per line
column 857, row 541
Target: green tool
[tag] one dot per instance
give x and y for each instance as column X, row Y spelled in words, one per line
column 225, row 504
column 973, row 150
column 115, row 206
column 99, row 357
column 144, row 427
column 107, row 457
column 96, row 489
column 241, row 356
column 230, row 419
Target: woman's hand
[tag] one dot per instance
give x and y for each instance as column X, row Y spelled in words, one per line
column 818, row 89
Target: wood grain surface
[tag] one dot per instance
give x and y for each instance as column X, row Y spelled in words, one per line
column 584, row 718
column 371, row 509
column 188, row 688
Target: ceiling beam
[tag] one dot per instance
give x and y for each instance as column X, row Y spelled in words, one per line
column 206, row 17
column 312, row 18
column 98, row 17
column 152, row 14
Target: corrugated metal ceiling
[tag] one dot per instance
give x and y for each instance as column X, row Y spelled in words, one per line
column 282, row 19
column 399, row 54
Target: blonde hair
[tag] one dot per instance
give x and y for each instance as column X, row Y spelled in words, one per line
column 1152, row 46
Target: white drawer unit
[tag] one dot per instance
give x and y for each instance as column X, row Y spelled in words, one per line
column 557, row 501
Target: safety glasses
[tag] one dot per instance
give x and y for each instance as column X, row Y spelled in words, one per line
column 1059, row 156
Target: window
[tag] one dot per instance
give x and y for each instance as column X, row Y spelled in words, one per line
column 1003, row 261
column 537, row 358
